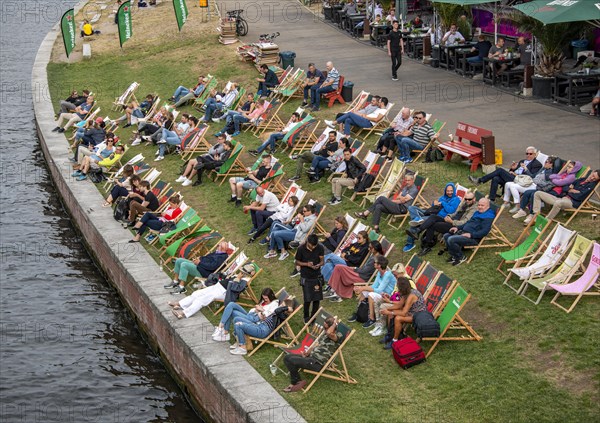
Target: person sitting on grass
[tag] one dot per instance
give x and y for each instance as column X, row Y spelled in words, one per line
column 273, row 137
column 342, row 280
column 237, row 119
column 338, row 233
column 353, row 255
column 315, row 357
column 200, row 298
column 411, row 301
column 149, row 203
column 283, row 215
column 183, row 94
column 93, row 162
column 156, row 223
column 260, row 329
column 383, row 285
column 295, row 233
column 443, row 206
column 121, row 187
column 267, row 306
column 330, row 146
column 354, row 172
column 174, row 137
column 265, row 205
column 77, row 115
column 215, row 154
column 397, row 205
column 87, row 30
column 362, row 120
column 238, row 184
column 200, row 267
column 332, row 161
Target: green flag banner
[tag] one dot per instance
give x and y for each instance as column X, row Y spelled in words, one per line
column 67, row 27
column 124, row 22
column 181, row 12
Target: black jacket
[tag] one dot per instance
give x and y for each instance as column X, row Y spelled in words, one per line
column 354, row 168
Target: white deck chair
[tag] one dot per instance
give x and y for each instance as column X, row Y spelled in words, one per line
column 152, row 176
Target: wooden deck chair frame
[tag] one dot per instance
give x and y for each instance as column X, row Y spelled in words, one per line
column 562, row 273
column 304, row 137
column 437, row 309
column 431, row 142
column 155, row 106
column 247, row 297
column 359, row 101
column 164, row 254
column 591, row 288
column 456, row 322
column 126, row 97
column 531, row 226
column 234, row 261
column 237, row 167
column 196, row 250
column 590, row 205
column 283, row 326
column 187, row 223
column 269, row 120
column 292, row 88
column 381, row 125
column 494, row 239
column 377, row 167
column 388, row 186
column 208, row 87
column 197, row 145
column 285, row 80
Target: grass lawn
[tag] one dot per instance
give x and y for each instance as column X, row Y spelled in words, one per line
column 535, row 363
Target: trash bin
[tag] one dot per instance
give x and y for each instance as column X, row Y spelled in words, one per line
column 435, row 57
column 287, row 59
column 579, row 45
column 347, row 91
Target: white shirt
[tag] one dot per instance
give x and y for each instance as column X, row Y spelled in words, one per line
column 289, row 126
column 268, row 309
column 376, row 113
column 269, row 199
column 283, row 213
column 452, row 38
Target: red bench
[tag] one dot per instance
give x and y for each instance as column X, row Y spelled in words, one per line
column 336, row 95
column 471, row 134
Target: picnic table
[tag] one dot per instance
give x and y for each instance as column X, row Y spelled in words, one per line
column 378, row 34
column 448, row 51
column 490, row 73
column 573, row 87
column 414, row 44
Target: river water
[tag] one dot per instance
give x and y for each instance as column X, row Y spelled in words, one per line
column 69, row 350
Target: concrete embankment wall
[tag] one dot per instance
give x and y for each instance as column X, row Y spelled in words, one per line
column 223, row 387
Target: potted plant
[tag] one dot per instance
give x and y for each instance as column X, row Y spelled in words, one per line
column 552, row 39
column 509, row 52
column 587, row 67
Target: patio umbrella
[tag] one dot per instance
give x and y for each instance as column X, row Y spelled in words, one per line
column 466, row 2
column 558, row 11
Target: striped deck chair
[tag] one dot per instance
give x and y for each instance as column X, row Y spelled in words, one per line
column 381, row 125
column 561, row 275
column 269, row 120
column 310, row 336
column 359, row 102
column 232, row 167
column 195, row 142
column 291, row 86
column 427, row 277
column 128, row 95
column 302, row 137
column 437, row 126
column 188, row 223
column 546, row 258
column 173, row 247
column 386, row 186
column 152, row 175
column 414, row 265
column 450, row 320
column 442, row 286
column 586, row 285
column 154, row 235
column 495, row 238
column 284, row 77
column 195, row 246
column 375, row 166
column 296, row 190
column 525, row 244
column 208, row 87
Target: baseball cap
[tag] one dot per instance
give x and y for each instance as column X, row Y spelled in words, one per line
column 399, row 268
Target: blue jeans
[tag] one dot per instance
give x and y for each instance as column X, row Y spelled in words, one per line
column 279, row 237
column 526, row 202
column 180, row 92
column 273, row 138
column 319, row 163
column 308, row 88
column 455, row 243
column 171, row 138
column 349, row 119
column 79, row 133
column 406, row 145
column 331, row 260
column 257, row 330
column 415, row 214
column 211, row 106
column 151, row 221
column 237, row 121
column 233, row 310
column 316, row 92
column 475, row 59
column 137, row 113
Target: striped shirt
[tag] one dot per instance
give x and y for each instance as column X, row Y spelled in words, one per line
column 334, row 75
column 423, row 134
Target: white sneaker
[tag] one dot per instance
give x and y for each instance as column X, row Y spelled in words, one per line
column 187, row 183
column 528, row 219
column 270, row 254
column 181, row 179
column 217, row 331
column 239, row 351
column 378, row 331
column 136, row 141
column 159, row 158
column 221, row 337
column 234, row 346
column 161, row 141
column 519, row 214
column 515, row 209
column 284, row 255
column 329, row 123
column 157, row 152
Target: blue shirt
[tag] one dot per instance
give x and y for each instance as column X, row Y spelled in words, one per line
column 318, row 75
column 384, row 283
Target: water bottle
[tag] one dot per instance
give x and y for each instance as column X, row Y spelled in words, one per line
column 273, row 369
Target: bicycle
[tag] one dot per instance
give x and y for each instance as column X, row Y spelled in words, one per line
column 241, row 26
column 268, row 38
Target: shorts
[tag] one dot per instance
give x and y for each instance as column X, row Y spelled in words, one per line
column 247, row 184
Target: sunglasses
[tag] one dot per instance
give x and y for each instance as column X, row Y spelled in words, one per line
column 469, row 199
column 530, row 154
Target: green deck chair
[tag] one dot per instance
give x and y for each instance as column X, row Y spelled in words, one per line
column 189, row 219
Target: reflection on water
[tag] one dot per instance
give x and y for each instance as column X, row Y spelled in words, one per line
column 69, row 351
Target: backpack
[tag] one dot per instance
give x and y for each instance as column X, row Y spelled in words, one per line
column 121, row 209
column 362, row 312
column 96, row 175
column 167, row 226
column 434, row 155
column 425, row 325
column 407, row 353
column 365, row 182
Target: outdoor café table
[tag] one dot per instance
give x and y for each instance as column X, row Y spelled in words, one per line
column 377, row 34
column 412, row 42
column 490, row 73
column 569, row 86
column 353, row 20
column 448, row 51
column 461, row 56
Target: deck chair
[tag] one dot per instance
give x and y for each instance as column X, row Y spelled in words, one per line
column 374, row 163
column 296, row 190
column 586, row 285
column 188, row 223
column 173, row 247
column 319, row 210
column 232, row 167
column 420, row 183
column 495, row 238
column 356, row 147
column 552, row 249
column 278, row 336
column 269, row 120
column 379, row 170
column 450, row 320
column 208, row 87
column 436, row 292
column 589, row 205
column 152, row 176
column 91, row 116
column 193, row 246
column 388, row 186
column 381, row 125
column 128, row 95
column 302, row 137
column 437, row 126
column 561, row 275
column 427, row 276
column 307, row 336
column 414, row 265
column 248, row 297
column 293, row 87
column 194, row 142
column 359, row 102
column 150, row 114
column 527, row 242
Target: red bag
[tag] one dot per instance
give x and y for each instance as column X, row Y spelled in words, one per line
column 407, row 352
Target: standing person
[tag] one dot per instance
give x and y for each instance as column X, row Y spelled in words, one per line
column 395, row 47
column 310, row 258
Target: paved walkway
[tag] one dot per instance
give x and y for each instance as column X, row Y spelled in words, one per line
column 516, row 122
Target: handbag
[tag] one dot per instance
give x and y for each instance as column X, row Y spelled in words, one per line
column 524, row 180
column 433, row 210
